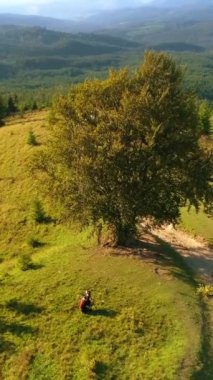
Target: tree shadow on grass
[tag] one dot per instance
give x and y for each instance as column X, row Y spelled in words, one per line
column 101, row 369
column 205, row 372
column 179, row 268
column 155, row 250
column 162, row 254
column 16, row 328
column 102, row 312
column 170, row 258
column 23, row 308
column 36, row 266
column 48, row 220
column 6, row 346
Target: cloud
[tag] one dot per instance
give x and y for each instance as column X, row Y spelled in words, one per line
column 73, row 3
column 65, row 8
column 4, row 3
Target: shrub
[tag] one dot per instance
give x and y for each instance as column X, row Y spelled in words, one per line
column 25, row 262
column 34, row 243
column 38, row 212
column 34, row 106
column 32, row 139
column 205, row 290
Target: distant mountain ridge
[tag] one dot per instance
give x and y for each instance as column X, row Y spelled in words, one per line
column 158, row 10
column 38, row 41
column 26, row 51
column 36, row 53
column 182, row 3
column 44, row 22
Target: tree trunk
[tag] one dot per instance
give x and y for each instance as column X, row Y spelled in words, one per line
column 125, row 234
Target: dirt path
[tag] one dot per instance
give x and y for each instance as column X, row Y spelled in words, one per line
column 196, row 253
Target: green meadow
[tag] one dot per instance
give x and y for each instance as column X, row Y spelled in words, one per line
column 197, row 223
column 147, row 323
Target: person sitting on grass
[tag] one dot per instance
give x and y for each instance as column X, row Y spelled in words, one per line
column 86, row 302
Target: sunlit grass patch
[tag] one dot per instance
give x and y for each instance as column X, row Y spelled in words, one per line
column 135, row 327
column 144, row 325
column 197, row 223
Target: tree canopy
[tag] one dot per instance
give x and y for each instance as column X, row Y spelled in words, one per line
column 127, row 147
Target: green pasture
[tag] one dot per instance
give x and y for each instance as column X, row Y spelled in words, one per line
column 147, row 322
column 198, row 224
column 135, row 330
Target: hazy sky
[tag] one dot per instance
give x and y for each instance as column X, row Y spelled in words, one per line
column 64, row 8
column 79, row 8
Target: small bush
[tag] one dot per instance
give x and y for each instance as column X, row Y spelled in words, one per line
column 32, row 139
column 205, row 290
column 25, row 262
column 38, row 212
column 34, row 243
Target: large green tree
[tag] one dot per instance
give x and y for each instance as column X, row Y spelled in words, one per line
column 127, row 147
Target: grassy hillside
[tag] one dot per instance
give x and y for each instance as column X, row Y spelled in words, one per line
column 135, row 330
column 198, row 224
column 17, row 190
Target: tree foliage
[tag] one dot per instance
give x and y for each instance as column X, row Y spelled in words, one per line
column 205, row 113
column 127, row 147
column 12, row 105
column 2, row 111
column 31, row 140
